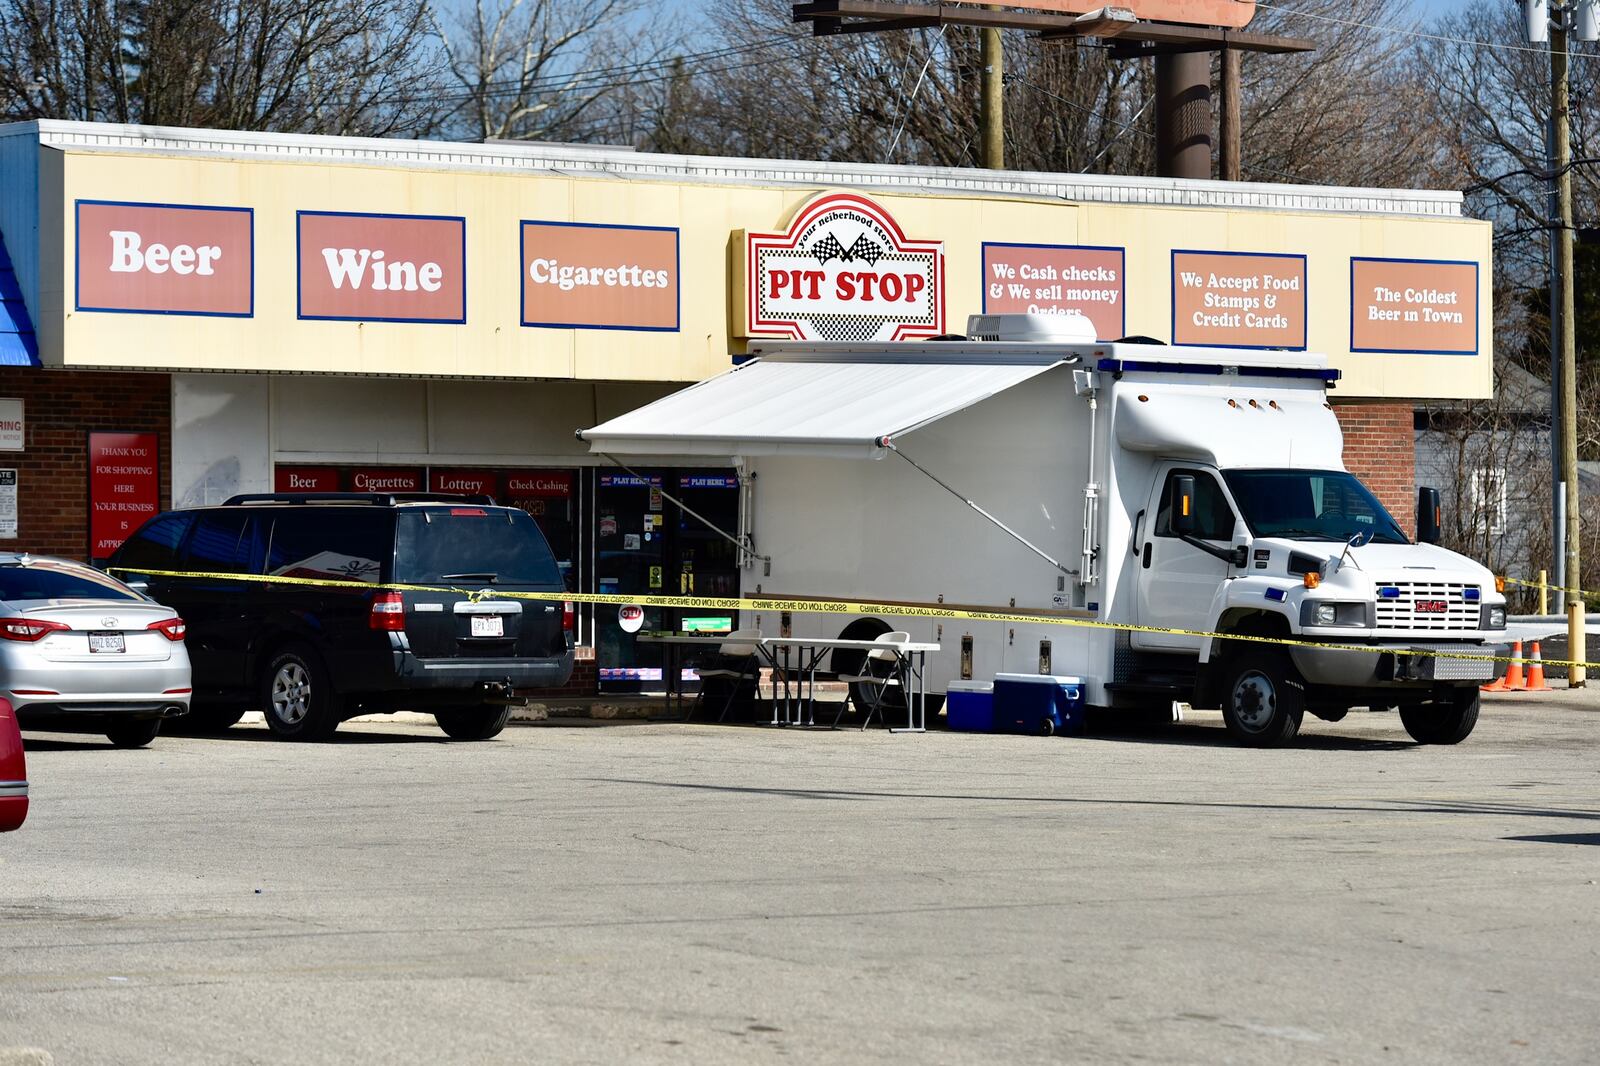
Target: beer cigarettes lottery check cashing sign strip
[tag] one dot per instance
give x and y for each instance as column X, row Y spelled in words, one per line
column 842, row 271
column 801, row 605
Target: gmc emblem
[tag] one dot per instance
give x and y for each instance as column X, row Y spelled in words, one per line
column 1432, row 606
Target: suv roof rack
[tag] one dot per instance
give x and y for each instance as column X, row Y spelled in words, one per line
column 372, row 499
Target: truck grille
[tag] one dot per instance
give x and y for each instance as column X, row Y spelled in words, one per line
column 1418, row 606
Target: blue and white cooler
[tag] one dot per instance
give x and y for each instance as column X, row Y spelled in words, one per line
column 1038, row 704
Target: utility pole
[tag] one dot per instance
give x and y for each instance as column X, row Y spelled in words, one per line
column 1551, row 22
column 994, row 101
column 1561, row 115
column 1229, row 164
column 1183, row 115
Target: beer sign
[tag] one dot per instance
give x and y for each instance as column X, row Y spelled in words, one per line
column 164, row 259
column 842, row 271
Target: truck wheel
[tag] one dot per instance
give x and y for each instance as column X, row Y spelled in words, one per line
column 297, row 697
column 1264, row 699
column 134, row 734
column 1449, row 721
column 473, row 723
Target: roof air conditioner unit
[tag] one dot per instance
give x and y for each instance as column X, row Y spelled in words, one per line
column 1072, row 327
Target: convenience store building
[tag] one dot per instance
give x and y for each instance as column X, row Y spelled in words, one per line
column 190, row 314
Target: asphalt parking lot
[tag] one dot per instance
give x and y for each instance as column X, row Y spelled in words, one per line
column 693, row 894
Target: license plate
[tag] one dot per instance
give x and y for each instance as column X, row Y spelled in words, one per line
column 488, row 625
column 107, row 643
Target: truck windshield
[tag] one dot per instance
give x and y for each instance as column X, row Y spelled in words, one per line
column 1311, row 505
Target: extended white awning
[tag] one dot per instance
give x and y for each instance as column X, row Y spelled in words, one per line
column 807, row 407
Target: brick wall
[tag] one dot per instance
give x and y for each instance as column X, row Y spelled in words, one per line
column 60, row 408
column 1380, row 448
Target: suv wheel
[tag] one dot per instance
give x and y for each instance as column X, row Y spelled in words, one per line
column 296, row 696
column 473, row 723
column 133, row 734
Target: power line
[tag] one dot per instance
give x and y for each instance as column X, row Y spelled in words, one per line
column 1419, row 34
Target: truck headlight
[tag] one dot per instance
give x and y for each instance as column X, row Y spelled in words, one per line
column 1494, row 617
column 1323, row 613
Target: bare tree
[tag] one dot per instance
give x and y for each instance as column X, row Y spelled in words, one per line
column 547, row 69
column 314, row 66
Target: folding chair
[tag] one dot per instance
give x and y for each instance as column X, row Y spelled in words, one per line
column 736, row 660
column 880, row 671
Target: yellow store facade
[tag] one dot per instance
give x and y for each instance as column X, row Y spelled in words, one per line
column 359, row 315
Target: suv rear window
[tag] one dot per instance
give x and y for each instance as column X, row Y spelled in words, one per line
column 44, row 581
column 472, row 546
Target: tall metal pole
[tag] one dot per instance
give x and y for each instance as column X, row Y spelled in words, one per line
column 994, row 101
column 1183, row 115
column 1560, row 115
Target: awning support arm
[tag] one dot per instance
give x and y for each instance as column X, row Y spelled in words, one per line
column 744, row 548
column 885, row 442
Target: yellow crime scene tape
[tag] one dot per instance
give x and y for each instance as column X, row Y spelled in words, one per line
column 837, row 607
column 1579, row 593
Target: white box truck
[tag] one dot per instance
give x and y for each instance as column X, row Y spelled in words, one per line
column 1173, row 491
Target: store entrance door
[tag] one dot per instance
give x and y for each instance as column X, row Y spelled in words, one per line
column 646, row 546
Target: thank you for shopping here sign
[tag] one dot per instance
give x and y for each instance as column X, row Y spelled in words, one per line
column 583, row 276
column 842, row 271
column 1239, row 299
column 164, row 259
column 1057, row 279
column 382, row 268
column 1414, row 306
column 124, row 488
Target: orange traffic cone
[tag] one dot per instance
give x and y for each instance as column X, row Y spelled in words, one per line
column 1513, row 677
column 1536, row 672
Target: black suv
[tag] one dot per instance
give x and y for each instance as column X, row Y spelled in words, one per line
column 310, row 656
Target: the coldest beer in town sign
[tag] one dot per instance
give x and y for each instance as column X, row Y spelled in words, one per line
column 842, row 271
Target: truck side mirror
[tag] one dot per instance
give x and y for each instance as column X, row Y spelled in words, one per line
column 1428, row 516
column 1241, row 544
column 1183, row 501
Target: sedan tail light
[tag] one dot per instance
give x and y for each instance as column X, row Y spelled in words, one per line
column 569, row 616
column 174, row 629
column 29, row 630
column 388, row 613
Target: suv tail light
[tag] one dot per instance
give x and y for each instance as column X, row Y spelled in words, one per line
column 29, row 630
column 569, row 617
column 174, row 629
column 388, row 612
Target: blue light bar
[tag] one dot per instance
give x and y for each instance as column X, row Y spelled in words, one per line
column 1132, row 366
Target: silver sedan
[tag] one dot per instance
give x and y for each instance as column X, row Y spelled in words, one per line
column 81, row 650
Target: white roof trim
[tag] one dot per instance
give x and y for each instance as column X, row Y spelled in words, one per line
column 580, row 161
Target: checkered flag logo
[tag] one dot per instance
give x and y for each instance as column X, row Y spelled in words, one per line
column 829, row 248
column 865, row 250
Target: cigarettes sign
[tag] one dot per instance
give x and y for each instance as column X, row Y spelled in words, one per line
column 166, row 259
column 582, row 276
column 1239, row 299
column 382, row 268
column 1414, row 306
column 843, row 271
column 1056, row 279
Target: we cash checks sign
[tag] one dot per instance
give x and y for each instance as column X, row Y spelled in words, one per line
column 1057, row 279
